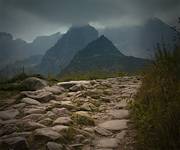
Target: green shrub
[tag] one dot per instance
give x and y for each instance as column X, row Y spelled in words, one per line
column 156, row 109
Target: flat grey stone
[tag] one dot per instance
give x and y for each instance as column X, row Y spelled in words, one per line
column 30, row 101
column 114, row 125
column 107, row 143
column 119, row 114
column 47, row 133
column 9, row 114
column 103, row 131
column 63, row 121
column 60, row 128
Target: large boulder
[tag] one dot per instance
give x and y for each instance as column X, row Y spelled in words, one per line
column 40, row 95
column 33, row 83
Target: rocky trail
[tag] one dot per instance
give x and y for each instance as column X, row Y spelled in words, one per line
column 76, row 115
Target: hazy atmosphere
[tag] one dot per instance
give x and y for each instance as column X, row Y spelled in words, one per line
column 89, row 74
column 28, row 18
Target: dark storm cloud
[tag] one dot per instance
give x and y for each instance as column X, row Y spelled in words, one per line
column 29, row 17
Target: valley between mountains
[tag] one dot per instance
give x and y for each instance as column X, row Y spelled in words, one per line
column 85, row 115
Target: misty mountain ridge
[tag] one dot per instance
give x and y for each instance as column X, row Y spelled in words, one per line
column 59, row 50
column 12, row 50
column 140, row 41
column 61, row 54
column 101, row 54
column 27, row 65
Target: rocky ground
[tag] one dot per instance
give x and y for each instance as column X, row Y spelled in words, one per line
column 82, row 115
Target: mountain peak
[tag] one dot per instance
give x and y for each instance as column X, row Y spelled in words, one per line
column 102, row 37
column 76, row 38
column 85, row 26
column 154, row 21
column 102, row 44
column 101, row 54
column 105, row 39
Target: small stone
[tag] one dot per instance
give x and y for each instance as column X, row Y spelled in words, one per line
column 46, row 121
column 76, row 88
column 107, row 143
column 28, row 126
column 119, row 114
column 60, row 111
column 79, row 138
column 114, row 125
column 103, row 131
column 33, row 111
column 55, row 89
column 86, row 147
column 88, row 107
column 34, row 117
column 9, row 114
column 68, row 105
column 19, row 106
column 63, row 121
column 121, row 135
column 47, row 133
column 30, row 101
column 88, row 129
column 50, row 114
column 69, row 84
column 121, row 105
column 55, row 102
column 60, row 128
column 53, row 146
column 77, row 146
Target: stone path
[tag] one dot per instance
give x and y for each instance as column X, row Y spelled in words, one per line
column 85, row 115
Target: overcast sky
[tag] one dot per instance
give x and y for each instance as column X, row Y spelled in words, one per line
column 28, row 18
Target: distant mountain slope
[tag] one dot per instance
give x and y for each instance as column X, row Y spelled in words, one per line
column 12, row 50
column 19, row 66
column 102, row 55
column 60, row 55
column 139, row 41
column 42, row 43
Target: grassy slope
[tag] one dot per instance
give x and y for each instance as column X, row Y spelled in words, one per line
column 156, row 109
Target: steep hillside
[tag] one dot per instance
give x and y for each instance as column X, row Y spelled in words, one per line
column 60, row 55
column 102, row 55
